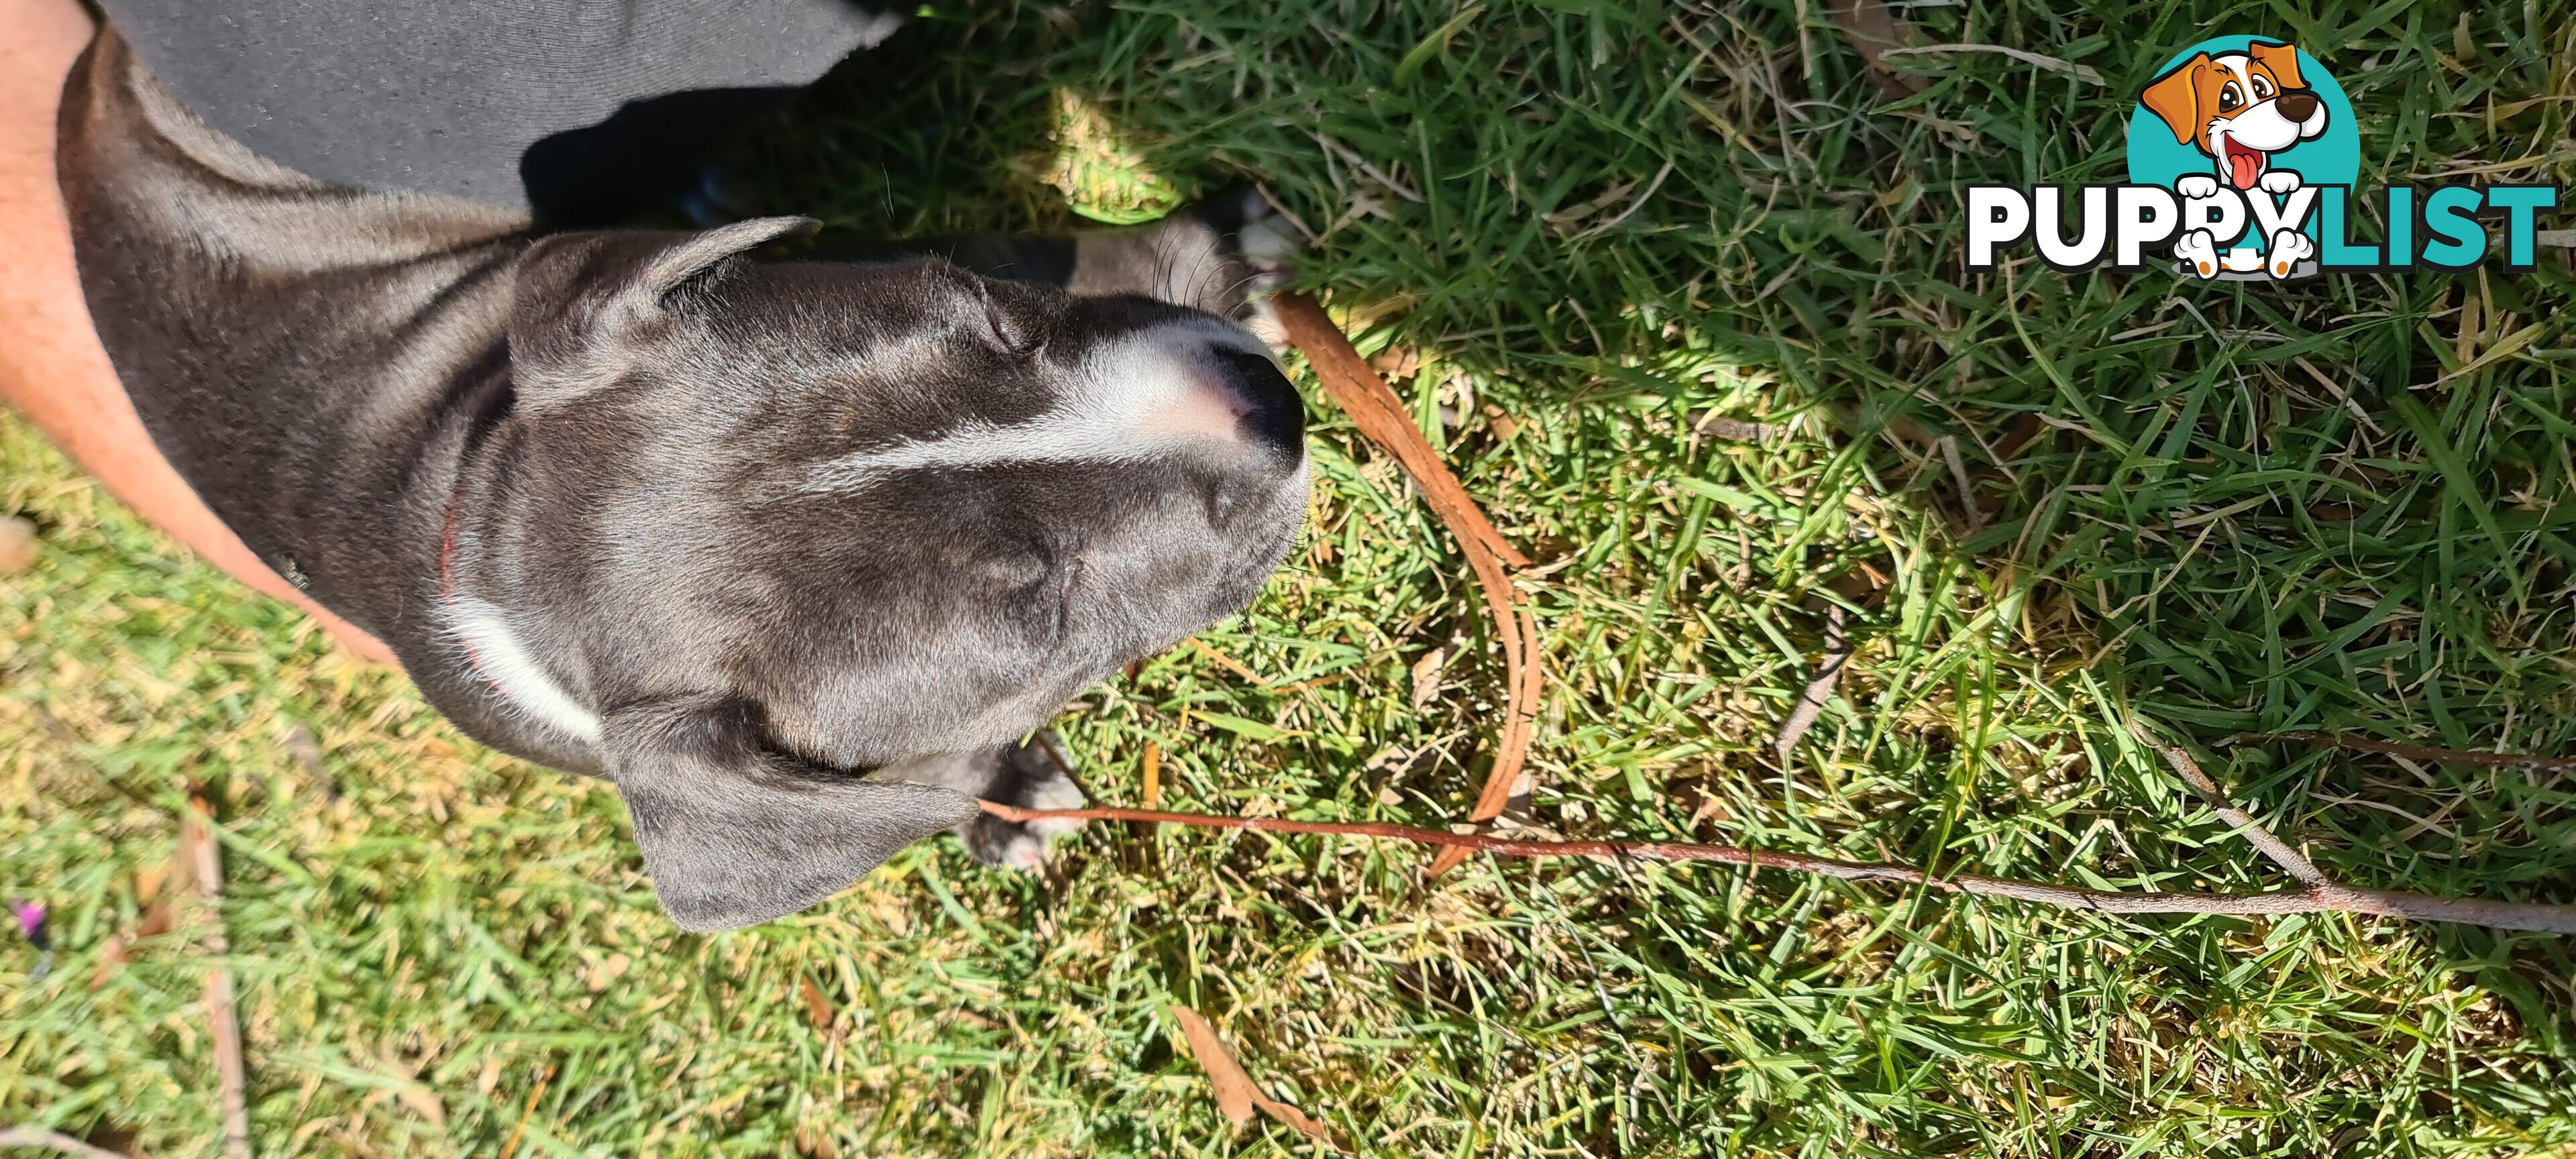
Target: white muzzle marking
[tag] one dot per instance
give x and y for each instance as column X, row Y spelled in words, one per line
column 1153, row 393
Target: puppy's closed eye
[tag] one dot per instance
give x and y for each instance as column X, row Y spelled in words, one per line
column 1059, row 591
column 1013, row 569
column 1041, row 585
column 1012, row 331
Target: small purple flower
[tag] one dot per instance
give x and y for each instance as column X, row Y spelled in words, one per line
column 31, row 921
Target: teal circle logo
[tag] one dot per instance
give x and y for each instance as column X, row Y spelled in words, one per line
column 2234, row 108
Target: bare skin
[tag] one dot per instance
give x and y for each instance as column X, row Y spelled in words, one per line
column 52, row 369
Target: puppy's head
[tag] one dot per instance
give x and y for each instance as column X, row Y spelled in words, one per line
column 794, row 525
column 2239, row 108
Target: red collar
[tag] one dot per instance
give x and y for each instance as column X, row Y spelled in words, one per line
column 447, row 583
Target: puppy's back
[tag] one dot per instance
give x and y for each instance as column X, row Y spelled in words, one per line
column 292, row 347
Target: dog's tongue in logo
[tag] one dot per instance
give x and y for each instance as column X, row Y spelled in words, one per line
column 2244, row 164
column 2238, row 108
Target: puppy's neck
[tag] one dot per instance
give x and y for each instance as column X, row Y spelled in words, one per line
column 504, row 664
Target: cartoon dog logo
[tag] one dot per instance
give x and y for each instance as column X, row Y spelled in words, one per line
column 2239, row 109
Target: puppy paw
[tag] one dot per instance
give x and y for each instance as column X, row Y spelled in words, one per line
column 2289, row 248
column 1223, row 255
column 2201, row 250
column 1268, row 245
column 2279, row 181
column 1262, row 239
column 2196, row 185
column 1029, row 778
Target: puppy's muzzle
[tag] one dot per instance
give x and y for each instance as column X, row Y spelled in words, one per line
column 1267, row 410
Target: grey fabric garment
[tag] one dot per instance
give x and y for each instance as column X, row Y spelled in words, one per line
column 449, row 96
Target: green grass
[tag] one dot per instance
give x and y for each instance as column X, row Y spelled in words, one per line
column 2203, row 509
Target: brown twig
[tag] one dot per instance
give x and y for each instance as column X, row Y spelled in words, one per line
column 2291, row 860
column 197, row 840
column 543, row 1077
column 53, row 1140
column 1820, row 688
column 2327, row 897
column 1380, row 415
column 2408, row 751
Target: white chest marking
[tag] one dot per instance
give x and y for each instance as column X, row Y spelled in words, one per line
column 497, row 655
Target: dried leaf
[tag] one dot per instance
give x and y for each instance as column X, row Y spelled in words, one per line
column 149, row 879
column 1298, row 1119
column 157, row 888
column 817, row 1010
column 605, row 972
column 1233, row 1086
column 1734, row 429
column 1871, row 30
column 17, row 545
column 1397, row 362
column 111, row 958
column 1711, row 807
column 1236, row 1096
column 157, row 917
column 1153, row 774
column 1426, row 675
column 424, row 1102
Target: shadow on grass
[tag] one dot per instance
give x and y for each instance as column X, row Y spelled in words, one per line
column 2241, row 509
column 1682, row 297
column 1682, row 302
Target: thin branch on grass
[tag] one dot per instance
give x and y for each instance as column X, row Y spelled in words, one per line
column 53, row 1141
column 2322, row 895
column 197, row 841
column 1820, row 688
column 2408, row 751
column 2052, row 64
column 511, row 1148
column 2295, row 863
column 1380, row 415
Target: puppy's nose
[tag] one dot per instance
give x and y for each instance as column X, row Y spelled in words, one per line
column 1270, row 414
column 2298, row 105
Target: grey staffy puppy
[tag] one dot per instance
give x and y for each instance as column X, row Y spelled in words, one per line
column 796, row 553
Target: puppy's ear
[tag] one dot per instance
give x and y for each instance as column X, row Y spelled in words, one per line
column 703, row 257
column 733, row 835
column 574, row 292
column 2281, row 60
column 2175, row 97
